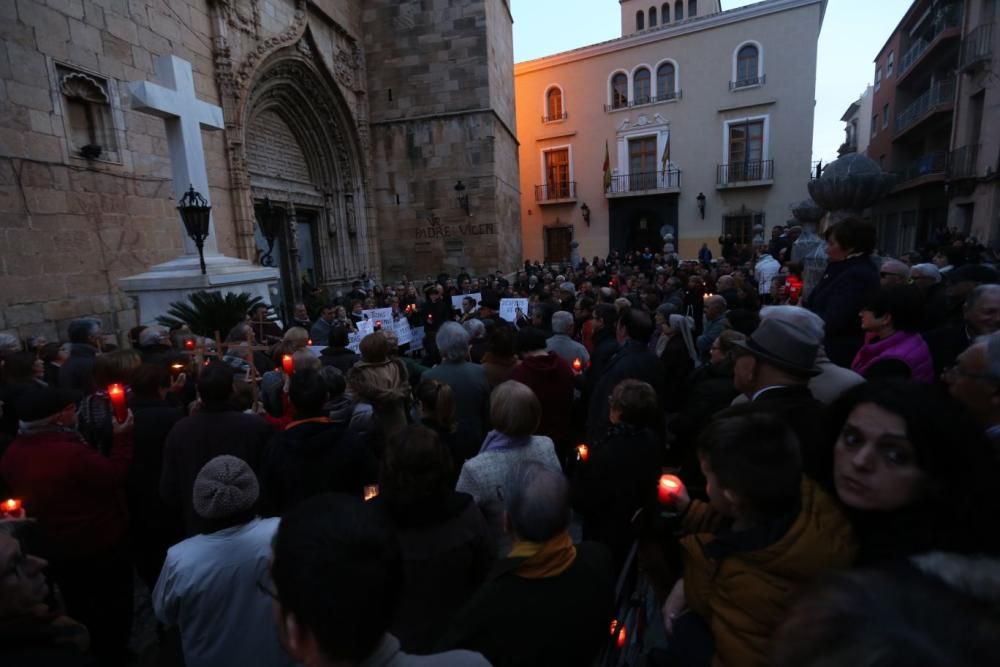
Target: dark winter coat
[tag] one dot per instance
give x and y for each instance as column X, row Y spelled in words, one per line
column 340, row 358
column 560, row 620
column 311, row 457
column 837, row 298
column 77, row 372
column 633, row 361
column 551, row 378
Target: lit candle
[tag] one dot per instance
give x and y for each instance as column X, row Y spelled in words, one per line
column 371, row 491
column 430, row 318
column 288, row 364
column 11, row 505
column 189, row 343
column 378, row 325
column 668, row 489
column 577, row 365
column 309, row 342
column 176, row 369
column 582, row 453
column 116, row 393
column 621, row 636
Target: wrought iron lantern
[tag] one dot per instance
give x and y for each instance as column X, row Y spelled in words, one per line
column 585, row 211
column 269, row 219
column 196, row 214
column 701, row 204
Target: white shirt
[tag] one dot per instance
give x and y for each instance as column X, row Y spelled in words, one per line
column 765, row 270
column 208, row 587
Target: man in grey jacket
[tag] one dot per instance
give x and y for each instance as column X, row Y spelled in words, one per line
column 563, row 345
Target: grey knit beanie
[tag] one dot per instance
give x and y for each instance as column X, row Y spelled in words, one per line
column 225, row 486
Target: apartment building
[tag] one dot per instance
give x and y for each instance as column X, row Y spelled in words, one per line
column 695, row 122
column 934, row 93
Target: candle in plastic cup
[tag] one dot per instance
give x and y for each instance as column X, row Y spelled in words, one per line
column 117, row 395
column 288, row 364
column 582, row 453
column 577, row 365
column 176, row 369
column 11, row 505
column 189, row 344
column 371, row 491
column 668, row 489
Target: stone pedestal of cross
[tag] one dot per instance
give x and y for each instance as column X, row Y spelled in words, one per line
column 173, row 99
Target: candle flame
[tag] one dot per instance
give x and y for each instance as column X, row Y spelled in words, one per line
column 11, row 505
column 670, row 482
column 115, row 390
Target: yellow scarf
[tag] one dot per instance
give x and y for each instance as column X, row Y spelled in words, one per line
column 544, row 559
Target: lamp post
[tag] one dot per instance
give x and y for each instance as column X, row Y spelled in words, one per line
column 463, row 199
column 701, row 204
column 585, row 211
column 196, row 213
column 268, row 219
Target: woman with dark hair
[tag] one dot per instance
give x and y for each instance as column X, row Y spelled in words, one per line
column 435, row 409
column 617, row 475
column 893, row 347
column 95, row 410
column 499, row 361
column 849, row 277
column 446, row 544
column 913, row 472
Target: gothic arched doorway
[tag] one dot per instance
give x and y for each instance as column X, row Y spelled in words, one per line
column 302, row 158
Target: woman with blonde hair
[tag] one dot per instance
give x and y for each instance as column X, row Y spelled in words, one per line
column 515, row 413
column 299, row 338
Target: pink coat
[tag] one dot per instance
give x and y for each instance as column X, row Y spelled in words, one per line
column 904, row 346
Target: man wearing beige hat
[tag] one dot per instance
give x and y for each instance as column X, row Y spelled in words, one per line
column 209, row 583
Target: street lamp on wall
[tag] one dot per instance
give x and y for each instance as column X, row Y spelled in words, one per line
column 585, row 212
column 462, row 198
column 701, row 204
column 269, row 219
column 195, row 214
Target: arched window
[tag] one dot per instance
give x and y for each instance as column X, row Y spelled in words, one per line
column 554, row 104
column 692, row 8
column 666, row 82
column 619, row 91
column 652, row 17
column 640, row 20
column 641, row 82
column 679, row 10
column 665, row 13
column 747, row 63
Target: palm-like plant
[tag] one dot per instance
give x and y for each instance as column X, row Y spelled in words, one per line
column 207, row 312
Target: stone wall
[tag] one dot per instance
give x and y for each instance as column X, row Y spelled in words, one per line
column 441, row 108
column 70, row 227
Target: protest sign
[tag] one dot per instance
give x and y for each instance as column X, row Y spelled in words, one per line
column 383, row 315
column 456, row 301
column 509, row 309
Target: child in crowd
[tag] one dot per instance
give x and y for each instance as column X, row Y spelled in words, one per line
column 765, row 533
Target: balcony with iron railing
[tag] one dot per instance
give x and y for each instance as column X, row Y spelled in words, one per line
column 977, row 47
column 926, row 168
column 939, row 97
column 944, row 26
column 560, row 192
column 749, row 82
column 752, row 173
column 645, row 183
column 555, row 118
column 644, row 100
column 962, row 162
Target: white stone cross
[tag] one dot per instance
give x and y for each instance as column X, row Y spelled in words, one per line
column 174, row 100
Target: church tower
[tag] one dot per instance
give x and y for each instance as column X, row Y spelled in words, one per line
column 443, row 137
column 638, row 15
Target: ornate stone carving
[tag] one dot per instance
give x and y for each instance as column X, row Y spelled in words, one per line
column 244, row 15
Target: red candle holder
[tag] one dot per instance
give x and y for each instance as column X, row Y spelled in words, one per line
column 189, row 343
column 176, row 369
column 12, row 508
column 582, row 453
column 116, row 393
column 288, row 364
column 669, row 489
column 577, row 365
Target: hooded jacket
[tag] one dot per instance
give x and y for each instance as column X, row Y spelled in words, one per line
column 743, row 590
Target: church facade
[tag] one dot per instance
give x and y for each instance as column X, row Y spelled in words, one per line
column 375, row 137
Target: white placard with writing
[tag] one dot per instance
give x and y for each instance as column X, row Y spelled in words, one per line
column 383, row 315
column 404, row 333
column 417, row 338
column 456, row 301
column 509, row 308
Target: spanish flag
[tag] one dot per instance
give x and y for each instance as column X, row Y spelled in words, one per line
column 607, row 167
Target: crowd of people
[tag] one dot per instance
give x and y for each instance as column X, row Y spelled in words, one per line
column 659, row 462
